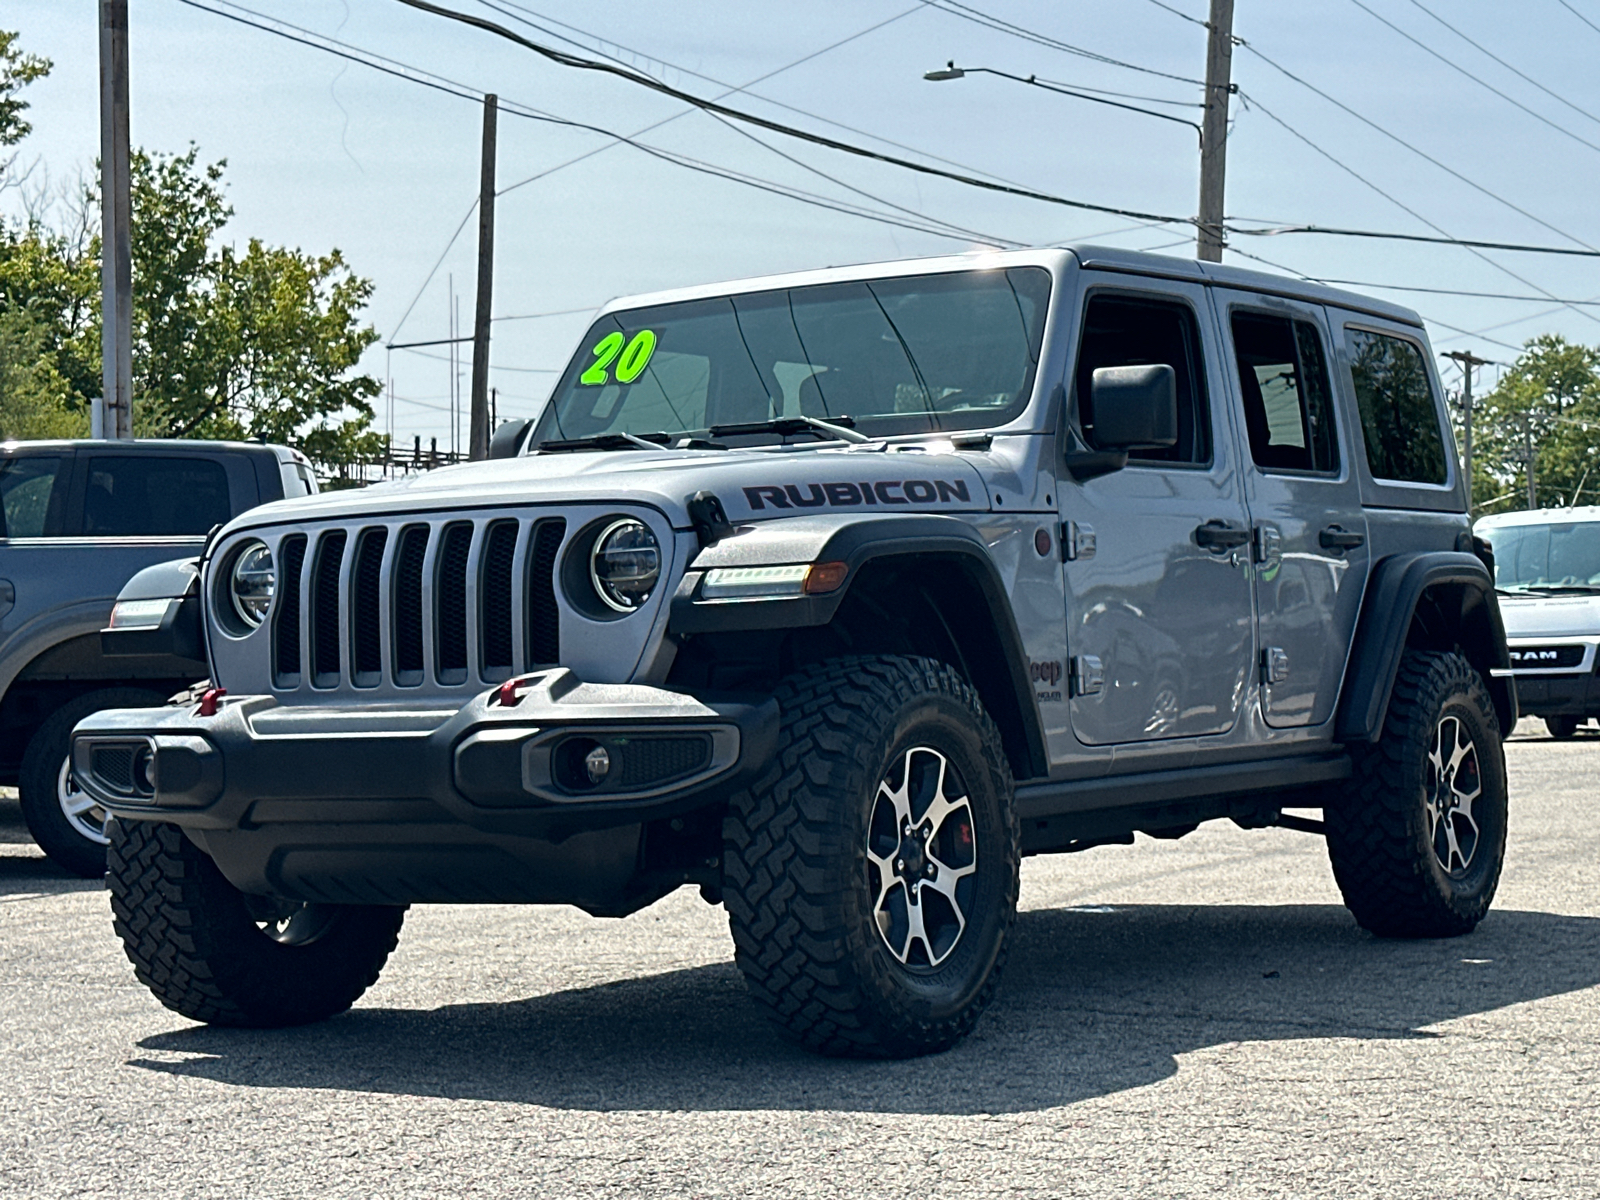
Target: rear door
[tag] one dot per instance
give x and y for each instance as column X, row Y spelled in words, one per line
column 1157, row 591
column 1309, row 531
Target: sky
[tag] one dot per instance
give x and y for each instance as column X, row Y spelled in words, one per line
column 1417, row 129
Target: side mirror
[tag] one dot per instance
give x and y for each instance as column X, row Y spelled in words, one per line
column 1135, row 408
column 506, row 441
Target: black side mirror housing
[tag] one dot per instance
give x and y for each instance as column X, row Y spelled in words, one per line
column 1135, row 408
column 506, row 441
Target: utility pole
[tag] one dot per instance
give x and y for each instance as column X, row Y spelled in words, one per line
column 1527, row 450
column 112, row 414
column 478, row 441
column 1214, row 133
column 1466, row 361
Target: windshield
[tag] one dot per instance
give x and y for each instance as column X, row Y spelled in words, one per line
column 1545, row 556
column 914, row 354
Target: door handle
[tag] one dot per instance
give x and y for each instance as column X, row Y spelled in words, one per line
column 1219, row 536
column 1339, row 540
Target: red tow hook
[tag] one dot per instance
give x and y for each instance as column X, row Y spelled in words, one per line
column 208, row 701
column 512, row 690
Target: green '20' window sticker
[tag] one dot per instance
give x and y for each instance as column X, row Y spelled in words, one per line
column 631, row 359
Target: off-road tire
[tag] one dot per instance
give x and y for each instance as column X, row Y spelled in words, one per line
column 40, row 778
column 796, row 875
column 1379, row 837
column 194, row 942
column 1561, row 728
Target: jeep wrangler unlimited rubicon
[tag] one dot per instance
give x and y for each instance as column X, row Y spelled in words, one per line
column 835, row 594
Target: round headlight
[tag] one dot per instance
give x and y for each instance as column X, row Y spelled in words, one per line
column 625, row 564
column 251, row 583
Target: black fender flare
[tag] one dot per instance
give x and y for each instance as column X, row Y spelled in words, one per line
column 856, row 544
column 181, row 633
column 1398, row 585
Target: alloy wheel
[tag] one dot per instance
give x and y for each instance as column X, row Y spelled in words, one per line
column 82, row 811
column 1454, row 784
column 922, row 856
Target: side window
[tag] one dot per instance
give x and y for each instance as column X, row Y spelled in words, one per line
column 150, row 496
column 1124, row 331
column 1399, row 420
column 1288, row 406
column 26, row 485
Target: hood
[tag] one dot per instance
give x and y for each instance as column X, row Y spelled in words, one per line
column 1550, row 616
column 753, row 484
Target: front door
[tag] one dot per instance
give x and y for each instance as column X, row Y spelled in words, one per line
column 1308, row 527
column 1157, row 588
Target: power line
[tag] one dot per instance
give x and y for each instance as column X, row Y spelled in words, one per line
column 1414, row 237
column 1397, row 139
column 1481, row 82
column 928, row 225
column 1063, row 89
column 966, row 12
column 1476, row 252
column 1179, row 13
column 1433, row 291
column 562, row 58
column 1579, row 15
column 1557, row 96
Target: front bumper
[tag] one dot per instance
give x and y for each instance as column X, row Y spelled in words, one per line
column 497, row 801
column 1549, row 695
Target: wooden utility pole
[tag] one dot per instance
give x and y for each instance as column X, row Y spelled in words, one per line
column 478, row 441
column 1466, row 361
column 112, row 414
column 1214, row 132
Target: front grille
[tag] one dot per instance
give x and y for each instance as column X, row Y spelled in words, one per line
column 462, row 602
column 1546, row 658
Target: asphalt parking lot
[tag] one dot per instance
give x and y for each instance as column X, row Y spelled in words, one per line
column 1178, row 1019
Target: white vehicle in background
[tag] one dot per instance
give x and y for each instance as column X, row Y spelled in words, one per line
column 1547, row 569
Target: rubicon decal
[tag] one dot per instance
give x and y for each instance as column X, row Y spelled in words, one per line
column 846, row 495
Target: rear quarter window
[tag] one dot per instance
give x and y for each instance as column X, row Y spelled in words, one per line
column 1399, row 419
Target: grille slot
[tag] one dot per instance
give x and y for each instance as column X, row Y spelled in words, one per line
column 544, row 615
column 450, row 602
column 495, row 600
column 366, row 607
column 286, row 619
column 113, row 765
column 325, row 610
column 408, row 649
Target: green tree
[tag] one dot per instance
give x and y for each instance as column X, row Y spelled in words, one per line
column 260, row 342
column 1550, row 397
column 17, row 71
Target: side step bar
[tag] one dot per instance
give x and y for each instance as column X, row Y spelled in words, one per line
column 1062, row 815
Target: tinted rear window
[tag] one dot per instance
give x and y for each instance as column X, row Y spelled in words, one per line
column 26, row 484
column 152, row 496
column 1399, row 421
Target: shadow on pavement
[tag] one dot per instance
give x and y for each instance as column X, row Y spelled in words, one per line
column 1093, row 1002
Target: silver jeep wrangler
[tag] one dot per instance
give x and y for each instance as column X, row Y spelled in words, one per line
column 835, row 594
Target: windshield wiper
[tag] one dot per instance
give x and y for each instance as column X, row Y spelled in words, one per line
column 608, row 441
column 789, row 426
column 1555, row 588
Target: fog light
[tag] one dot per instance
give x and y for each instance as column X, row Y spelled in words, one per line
column 597, row 763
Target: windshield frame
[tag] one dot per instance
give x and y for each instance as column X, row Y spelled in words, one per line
column 915, row 423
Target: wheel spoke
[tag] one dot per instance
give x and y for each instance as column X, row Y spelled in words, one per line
column 75, row 804
column 945, row 884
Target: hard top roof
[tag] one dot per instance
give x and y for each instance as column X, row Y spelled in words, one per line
column 139, row 445
column 1101, row 257
column 1541, row 516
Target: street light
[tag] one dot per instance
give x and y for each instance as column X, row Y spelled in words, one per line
column 951, row 71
